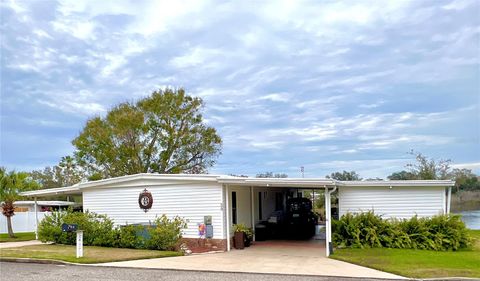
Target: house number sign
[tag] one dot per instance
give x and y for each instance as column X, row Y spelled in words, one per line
column 145, row 200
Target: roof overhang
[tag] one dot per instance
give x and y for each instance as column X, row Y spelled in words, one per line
column 423, row 183
column 45, row 203
column 278, row 182
column 52, row 191
column 164, row 179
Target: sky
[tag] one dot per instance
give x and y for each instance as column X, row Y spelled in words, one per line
column 327, row 85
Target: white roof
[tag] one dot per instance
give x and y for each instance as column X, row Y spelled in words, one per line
column 149, row 179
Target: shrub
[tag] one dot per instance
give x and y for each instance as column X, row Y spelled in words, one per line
column 99, row 230
column 50, row 228
column 442, row 232
column 165, row 233
column 129, row 236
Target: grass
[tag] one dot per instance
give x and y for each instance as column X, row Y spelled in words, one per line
column 22, row 236
column 418, row 263
column 91, row 254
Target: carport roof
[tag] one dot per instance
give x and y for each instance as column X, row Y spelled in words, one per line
column 148, row 179
column 278, row 182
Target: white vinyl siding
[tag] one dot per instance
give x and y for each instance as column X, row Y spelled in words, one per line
column 190, row 201
column 396, row 202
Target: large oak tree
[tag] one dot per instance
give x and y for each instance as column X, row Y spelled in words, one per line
column 162, row 133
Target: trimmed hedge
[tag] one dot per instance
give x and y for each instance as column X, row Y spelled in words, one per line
column 99, row 230
column 440, row 233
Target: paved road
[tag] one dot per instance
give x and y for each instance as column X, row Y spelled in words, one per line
column 48, row 272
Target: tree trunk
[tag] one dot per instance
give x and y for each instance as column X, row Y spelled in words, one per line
column 9, row 226
column 8, row 210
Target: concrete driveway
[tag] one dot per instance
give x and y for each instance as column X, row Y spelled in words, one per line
column 281, row 257
column 19, row 244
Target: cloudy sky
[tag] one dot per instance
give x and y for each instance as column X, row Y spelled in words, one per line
column 327, row 85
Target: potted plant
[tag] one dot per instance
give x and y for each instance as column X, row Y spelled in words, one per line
column 242, row 236
column 248, row 237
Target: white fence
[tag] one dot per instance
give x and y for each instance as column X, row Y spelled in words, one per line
column 21, row 222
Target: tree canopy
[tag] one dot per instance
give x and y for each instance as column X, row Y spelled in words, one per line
column 402, row 175
column 428, row 168
column 465, row 179
column 162, row 133
column 425, row 168
column 66, row 173
column 344, row 176
column 271, row 175
column 11, row 184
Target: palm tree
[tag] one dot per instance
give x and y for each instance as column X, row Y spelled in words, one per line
column 11, row 184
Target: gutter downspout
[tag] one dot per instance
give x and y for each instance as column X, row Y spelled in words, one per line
column 329, row 227
column 449, row 199
column 227, row 217
column 328, row 220
column 252, row 206
column 36, row 219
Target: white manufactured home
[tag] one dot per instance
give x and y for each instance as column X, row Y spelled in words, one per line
column 222, row 201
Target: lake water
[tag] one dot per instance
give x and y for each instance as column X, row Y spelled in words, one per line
column 471, row 218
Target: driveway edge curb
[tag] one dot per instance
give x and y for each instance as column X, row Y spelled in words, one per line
column 40, row 261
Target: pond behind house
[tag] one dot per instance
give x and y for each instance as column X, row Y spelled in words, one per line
column 471, row 218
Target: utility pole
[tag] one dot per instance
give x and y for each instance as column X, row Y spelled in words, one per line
column 302, row 170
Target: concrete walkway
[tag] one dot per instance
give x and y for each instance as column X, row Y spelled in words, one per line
column 19, row 244
column 279, row 258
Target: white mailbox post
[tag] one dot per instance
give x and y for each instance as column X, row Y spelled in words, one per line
column 79, row 243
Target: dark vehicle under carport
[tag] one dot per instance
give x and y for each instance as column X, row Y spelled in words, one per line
column 298, row 221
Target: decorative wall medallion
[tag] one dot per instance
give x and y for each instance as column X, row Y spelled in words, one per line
column 145, row 200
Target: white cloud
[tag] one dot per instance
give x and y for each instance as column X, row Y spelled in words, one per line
column 158, row 16
column 458, row 4
column 277, row 97
column 195, row 57
column 81, row 29
column 471, row 166
column 14, row 5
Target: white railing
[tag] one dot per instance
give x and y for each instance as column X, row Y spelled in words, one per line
column 21, row 222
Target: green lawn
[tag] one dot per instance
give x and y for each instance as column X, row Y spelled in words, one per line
column 91, row 254
column 22, row 236
column 418, row 263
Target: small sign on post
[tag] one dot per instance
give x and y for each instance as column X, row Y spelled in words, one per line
column 69, row 227
column 66, row 227
column 79, row 243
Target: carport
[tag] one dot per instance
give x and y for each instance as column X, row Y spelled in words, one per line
column 245, row 200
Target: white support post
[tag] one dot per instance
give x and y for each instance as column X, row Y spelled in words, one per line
column 36, row 219
column 227, row 216
column 79, row 243
column 327, row 221
column 449, row 199
column 252, row 205
column 329, row 228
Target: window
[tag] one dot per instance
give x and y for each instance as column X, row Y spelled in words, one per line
column 234, row 207
column 260, row 216
column 278, row 201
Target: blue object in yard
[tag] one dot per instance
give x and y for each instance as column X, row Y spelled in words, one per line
column 143, row 230
column 209, row 233
column 69, row 227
